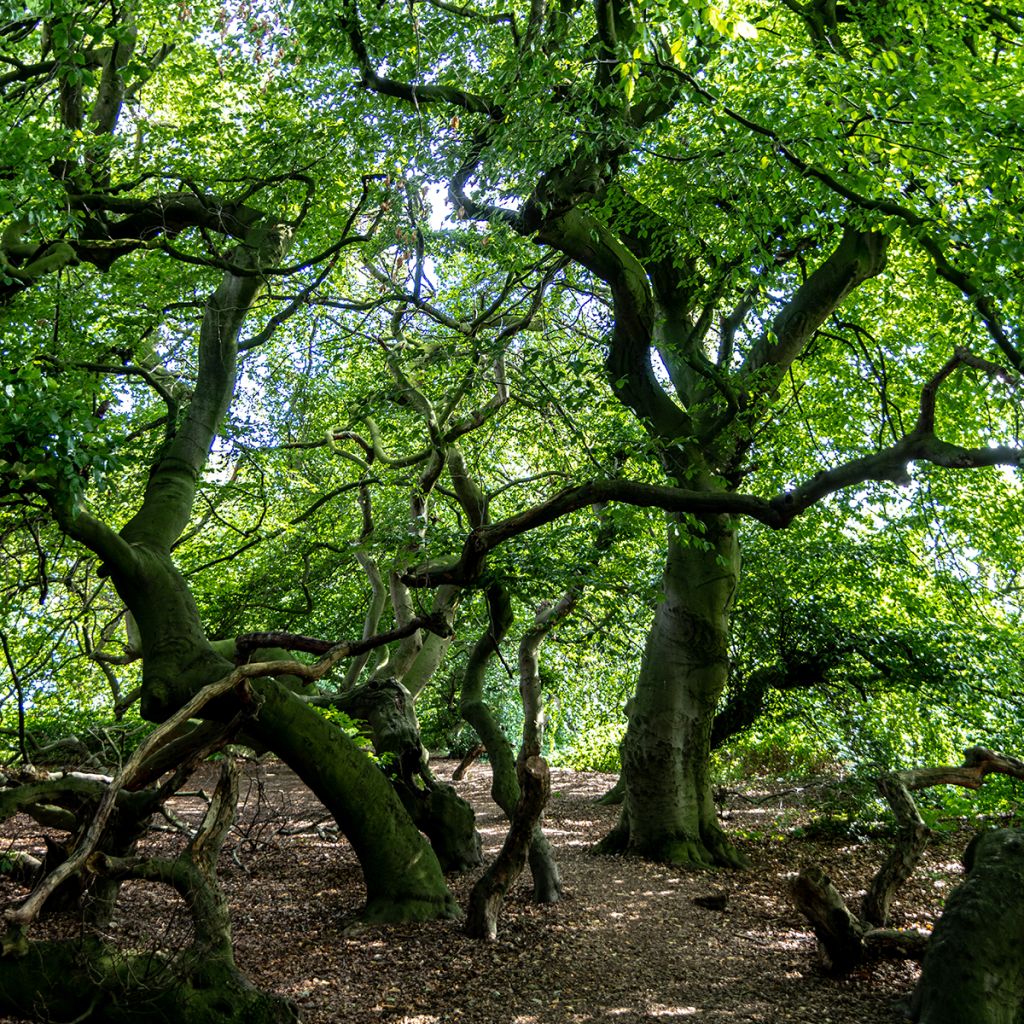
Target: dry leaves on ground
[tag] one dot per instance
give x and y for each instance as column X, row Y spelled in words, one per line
column 626, row 944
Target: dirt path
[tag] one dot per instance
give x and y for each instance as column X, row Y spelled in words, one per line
column 626, row 944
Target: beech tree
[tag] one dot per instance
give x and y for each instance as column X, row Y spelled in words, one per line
column 138, row 144
column 740, row 215
column 803, row 291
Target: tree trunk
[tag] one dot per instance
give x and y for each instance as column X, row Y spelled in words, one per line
column 489, row 893
column 88, row 979
column 404, row 881
column 844, row 941
column 974, row 968
column 504, row 786
column 90, row 982
column 436, row 808
column 403, row 877
column 668, row 812
column 547, row 879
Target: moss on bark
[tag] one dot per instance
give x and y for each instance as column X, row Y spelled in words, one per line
column 89, row 981
column 668, row 812
column 404, row 881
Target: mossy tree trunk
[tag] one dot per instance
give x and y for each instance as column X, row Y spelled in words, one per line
column 90, row 980
column 668, row 813
column 403, row 875
column 974, row 968
column 436, row 808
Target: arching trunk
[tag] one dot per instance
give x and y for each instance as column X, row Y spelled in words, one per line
column 403, row 878
column 668, row 814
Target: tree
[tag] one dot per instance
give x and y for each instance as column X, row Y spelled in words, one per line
column 756, row 196
column 98, row 181
column 740, row 214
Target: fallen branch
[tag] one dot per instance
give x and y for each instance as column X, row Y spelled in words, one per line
column 912, row 835
column 846, row 940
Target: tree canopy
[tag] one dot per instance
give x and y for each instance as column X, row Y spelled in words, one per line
column 396, row 334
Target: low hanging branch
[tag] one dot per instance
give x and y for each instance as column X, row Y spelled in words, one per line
column 193, row 873
column 249, row 642
column 20, row 917
column 847, row 940
column 198, row 983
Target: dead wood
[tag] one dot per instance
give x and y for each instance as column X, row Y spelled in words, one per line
column 847, row 940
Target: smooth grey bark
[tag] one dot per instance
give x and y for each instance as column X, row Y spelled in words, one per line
column 668, row 813
column 434, row 647
column 378, row 598
column 474, row 708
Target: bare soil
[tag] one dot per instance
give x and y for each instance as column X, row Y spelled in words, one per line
column 626, row 944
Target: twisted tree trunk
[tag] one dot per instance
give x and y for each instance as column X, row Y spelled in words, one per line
column 88, row 979
column 489, row 893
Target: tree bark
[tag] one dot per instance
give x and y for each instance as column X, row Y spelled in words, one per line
column 403, row 878
column 489, row 893
column 88, row 979
column 547, row 879
column 436, row 809
column 974, row 969
column 504, row 788
column 912, row 834
column 844, row 941
column 668, row 812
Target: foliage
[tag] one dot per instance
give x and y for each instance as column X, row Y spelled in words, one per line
column 594, row 750
column 682, row 173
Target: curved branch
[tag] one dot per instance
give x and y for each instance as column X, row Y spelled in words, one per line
column 960, row 279
column 249, row 642
column 414, row 94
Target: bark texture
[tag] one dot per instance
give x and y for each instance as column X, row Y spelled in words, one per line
column 90, row 980
column 437, row 810
column 488, row 894
column 668, row 813
column 403, row 878
column 66, row 980
column 845, row 940
column 974, row 968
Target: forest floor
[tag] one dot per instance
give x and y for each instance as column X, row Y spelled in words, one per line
column 626, row 944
